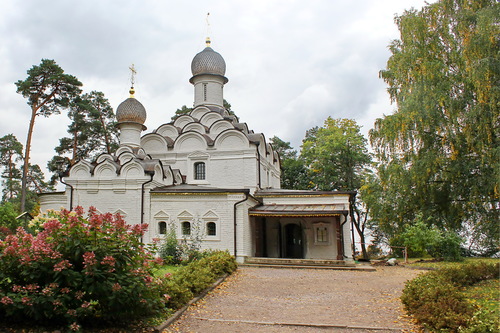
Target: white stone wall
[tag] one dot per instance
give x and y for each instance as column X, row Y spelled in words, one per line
column 54, row 201
column 198, row 209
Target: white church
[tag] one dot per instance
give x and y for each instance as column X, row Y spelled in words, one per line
column 207, row 170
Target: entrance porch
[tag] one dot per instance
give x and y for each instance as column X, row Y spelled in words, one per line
column 299, row 232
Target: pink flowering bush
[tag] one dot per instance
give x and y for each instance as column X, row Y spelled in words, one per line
column 77, row 269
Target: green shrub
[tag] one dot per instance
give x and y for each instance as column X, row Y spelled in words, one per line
column 175, row 251
column 435, row 299
column 196, row 276
column 78, row 269
column 435, row 302
column 470, row 273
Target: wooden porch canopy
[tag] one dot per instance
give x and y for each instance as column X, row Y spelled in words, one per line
column 299, row 210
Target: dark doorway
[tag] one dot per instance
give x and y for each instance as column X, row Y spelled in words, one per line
column 293, row 241
column 260, row 237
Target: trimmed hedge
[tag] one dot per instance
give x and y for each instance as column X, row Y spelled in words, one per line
column 435, row 298
column 192, row 279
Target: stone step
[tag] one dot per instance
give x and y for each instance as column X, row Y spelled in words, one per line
column 298, row 262
column 364, row 268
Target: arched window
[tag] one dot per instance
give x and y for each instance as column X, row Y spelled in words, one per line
column 199, row 170
column 162, row 227
column 186, row 228
column 211, row 229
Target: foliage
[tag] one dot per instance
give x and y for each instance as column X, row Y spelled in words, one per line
column 294, row 175
column 10, row 156
column 176, row 251
column 435, row 298
column 198, row 275
column 337, row 155
column 439, row 152
column 92, row 131
column 8, row 222
column 48, row 90
column 11, row 152
column 423, row 239
column 486, row 295
column 337, row 158
column 78, row 269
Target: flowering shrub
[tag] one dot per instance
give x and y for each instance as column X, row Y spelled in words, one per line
column 76, row 269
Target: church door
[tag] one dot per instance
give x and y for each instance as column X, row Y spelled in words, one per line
column 293, row 241
column 260, row 237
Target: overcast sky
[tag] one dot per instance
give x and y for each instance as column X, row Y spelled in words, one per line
column 290, row 63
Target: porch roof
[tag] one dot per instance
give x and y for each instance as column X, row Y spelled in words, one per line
column 298, row 210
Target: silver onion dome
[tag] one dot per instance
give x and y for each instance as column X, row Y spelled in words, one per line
column 208, row 62
column 131, row 110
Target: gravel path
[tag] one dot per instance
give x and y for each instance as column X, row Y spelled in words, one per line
column 302, row 300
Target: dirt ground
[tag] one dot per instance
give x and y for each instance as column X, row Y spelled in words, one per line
column 302, row 300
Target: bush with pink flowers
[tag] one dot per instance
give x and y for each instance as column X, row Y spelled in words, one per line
column 76, row 269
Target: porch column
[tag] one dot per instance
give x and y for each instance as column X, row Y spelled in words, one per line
column 340, row 248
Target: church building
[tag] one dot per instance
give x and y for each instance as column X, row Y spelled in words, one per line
column 207, row 172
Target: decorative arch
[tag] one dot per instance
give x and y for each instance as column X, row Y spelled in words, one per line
column 125, row 157
column 168, row 130
column 231, row 139
column 154, row 143
column 220, row 126
column 210, row 117
column 106, row 169
column 183, row 121
column 123, row 149
column 168, row 175
column 132, row 169
column 103, row 157
column 199, row 111
column 82, row 169
column 190, row 141
column 196, row 127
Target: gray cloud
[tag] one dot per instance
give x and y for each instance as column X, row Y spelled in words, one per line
column 290, row 64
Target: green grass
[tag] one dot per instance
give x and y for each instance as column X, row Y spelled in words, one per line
column 166, row 269
column 486, row 295
column 429, row 263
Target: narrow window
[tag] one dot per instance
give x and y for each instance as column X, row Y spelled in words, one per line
column 186, row 228
column 321, row 234
column 205, row 92
column 199, row 170
column 211, row 229
column 162, row 227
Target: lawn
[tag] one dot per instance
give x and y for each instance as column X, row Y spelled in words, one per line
column 166, row 269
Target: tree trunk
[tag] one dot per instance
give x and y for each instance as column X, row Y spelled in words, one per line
column 106, row 134
column 27, row 159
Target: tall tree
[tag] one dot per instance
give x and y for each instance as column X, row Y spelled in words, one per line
column 294, row 174
column 48, row 90
column 338, row 159
column 92, row 132
column 336, row 154
column 11, row 152
column 440, row 150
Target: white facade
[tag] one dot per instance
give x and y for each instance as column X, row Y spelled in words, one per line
column 209, row 172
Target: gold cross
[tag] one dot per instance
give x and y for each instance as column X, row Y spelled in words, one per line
column 133, row 72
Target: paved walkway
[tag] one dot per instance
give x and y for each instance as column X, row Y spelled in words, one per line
column 302, row 300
